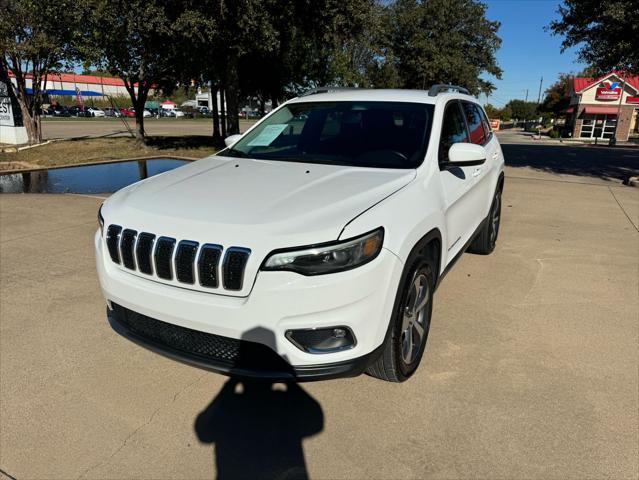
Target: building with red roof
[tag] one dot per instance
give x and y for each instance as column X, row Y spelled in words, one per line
column 89, row 85
column 599, row 107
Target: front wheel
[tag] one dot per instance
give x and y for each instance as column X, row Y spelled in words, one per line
column 406, row 342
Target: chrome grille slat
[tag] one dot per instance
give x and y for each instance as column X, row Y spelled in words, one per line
column 113, row 242
column 127, row 242
column 210, row 265
column 233, row 267
column 164, row 257
column 143, row 251
column 185, row 261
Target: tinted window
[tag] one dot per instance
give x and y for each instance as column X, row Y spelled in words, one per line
column 486, row 123
column 475, row 127
column 453, row 130
column 366, row 134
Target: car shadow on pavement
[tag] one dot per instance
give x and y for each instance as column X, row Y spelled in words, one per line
column 588, row 161
column 257, row 428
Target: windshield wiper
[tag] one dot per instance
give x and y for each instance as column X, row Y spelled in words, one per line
column 235, row 153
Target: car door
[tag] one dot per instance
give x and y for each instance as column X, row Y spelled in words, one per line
column 460, row 199
column 483, row 175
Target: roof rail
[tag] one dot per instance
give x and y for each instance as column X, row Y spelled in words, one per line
column 314, row 91
column 442, row 87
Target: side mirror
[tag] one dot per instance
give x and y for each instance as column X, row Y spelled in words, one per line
column 466, row 155
column 228, row 141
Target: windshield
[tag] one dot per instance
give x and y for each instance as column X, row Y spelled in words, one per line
column 362, row 134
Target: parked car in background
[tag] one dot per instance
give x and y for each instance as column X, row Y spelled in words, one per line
column 77, row 111
column 153, row 111
column 127, row 112
column 203, row 110
column 112, row 112
column 175, row 112
column 94, row 112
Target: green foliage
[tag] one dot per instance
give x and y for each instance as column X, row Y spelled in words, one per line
column 521, row 110
column 443, row 41
column 557, row 96
column 36, row 38
column 607, row 32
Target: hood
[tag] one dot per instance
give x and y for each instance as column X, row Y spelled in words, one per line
column 257, row 204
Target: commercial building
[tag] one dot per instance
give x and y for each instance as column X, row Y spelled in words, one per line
column 599, row 107
column 88, row 85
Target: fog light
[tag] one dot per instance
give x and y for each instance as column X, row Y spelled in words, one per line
column 322, row 340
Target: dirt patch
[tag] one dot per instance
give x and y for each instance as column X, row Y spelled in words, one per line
column 71, row 152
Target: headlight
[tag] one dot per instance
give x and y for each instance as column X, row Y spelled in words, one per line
column 329, row 257
column 101, row 220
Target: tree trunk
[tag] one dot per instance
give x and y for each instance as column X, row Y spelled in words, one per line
column 262, row 106
column 223, row 110
column 216, row 113
column 274, row 102
column 232, row 97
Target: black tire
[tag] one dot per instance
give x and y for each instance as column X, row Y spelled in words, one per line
column 392, row 365
column 485, row 241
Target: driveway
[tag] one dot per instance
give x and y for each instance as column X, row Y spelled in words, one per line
column 531, row 369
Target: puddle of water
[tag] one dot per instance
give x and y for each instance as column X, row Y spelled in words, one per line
column 99, row 178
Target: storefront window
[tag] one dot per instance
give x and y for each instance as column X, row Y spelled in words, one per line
column 598, row 126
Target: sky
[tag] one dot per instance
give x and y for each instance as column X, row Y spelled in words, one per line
column 527, row 51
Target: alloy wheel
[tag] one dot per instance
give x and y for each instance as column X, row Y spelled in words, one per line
column 415, row 318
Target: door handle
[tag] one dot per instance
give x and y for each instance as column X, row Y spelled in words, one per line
column 477, row 172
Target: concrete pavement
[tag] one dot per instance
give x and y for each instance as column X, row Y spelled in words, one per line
column 531, row 369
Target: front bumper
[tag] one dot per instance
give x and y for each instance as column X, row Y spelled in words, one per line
column 360, row 299
column 238, row 358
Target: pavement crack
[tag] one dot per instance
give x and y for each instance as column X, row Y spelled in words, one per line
column 623, row 210
column 137, row 429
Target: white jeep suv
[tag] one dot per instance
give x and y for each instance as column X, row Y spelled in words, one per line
column 310, row 248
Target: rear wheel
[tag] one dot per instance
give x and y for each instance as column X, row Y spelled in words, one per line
column 405, row 344
column 486, row 239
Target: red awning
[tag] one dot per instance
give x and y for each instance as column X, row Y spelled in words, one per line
column 603, row 110
column 632, row 99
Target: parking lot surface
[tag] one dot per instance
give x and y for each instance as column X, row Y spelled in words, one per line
column 531, row 369
column 95, row 127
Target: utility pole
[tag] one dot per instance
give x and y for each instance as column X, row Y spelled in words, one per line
column 526, row 96
column 613, row 139
column 539, row 97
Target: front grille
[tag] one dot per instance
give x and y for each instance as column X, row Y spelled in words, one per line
column 151, row 254
column 200, row 345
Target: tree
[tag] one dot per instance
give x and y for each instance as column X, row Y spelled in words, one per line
column 522, row 110
column 492, row 111
column 430, row 45
column 557, row 96
column 35, row 40
column 143, row 42
column 607, row 32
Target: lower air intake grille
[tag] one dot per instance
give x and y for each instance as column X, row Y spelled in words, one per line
column 200, row 345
